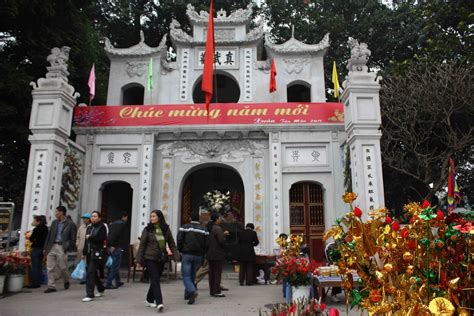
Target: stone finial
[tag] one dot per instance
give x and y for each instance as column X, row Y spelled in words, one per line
column 59, row 57
column 359, row 55
column 58, row 63
column 57, row 75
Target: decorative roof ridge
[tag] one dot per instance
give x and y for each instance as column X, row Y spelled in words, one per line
column 238, row 16
column 140, row 49
column 294, row 46
column 181, row 37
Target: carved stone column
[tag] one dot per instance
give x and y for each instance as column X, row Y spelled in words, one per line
column 50, row 124
column 362, row 122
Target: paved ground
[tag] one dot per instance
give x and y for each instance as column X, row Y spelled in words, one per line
column 128, row 300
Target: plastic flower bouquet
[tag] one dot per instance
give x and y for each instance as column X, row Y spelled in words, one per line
column 217, row 201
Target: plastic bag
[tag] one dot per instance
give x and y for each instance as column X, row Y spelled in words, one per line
column 80, row 271
column 109, row 262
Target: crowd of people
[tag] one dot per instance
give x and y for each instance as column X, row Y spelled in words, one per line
column 202, row 249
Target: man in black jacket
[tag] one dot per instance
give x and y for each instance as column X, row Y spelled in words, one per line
column 117, row 241
column 192, row 241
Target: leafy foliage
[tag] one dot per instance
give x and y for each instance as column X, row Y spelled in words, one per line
column 427, row 118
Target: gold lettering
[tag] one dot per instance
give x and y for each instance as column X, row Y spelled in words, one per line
column 125, row 112
column 282, row 111
column 176, row 113
column 214, row 113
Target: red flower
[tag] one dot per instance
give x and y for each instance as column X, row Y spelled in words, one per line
column 425, row 204
column 395, row 226
column 411, row 244
column 292, row 308
column 322, row 307
column 439, row 215
column 404, row 233
column 357, row 212
column 464, row 228
column 388, row 220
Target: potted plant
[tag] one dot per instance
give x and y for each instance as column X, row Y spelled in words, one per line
column 2, row 272
column 304, row 307
column 16, row 266
column 297, row 271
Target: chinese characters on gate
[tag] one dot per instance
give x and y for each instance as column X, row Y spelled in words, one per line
column 222, row 58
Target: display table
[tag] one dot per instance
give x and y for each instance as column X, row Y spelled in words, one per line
column 324, row 283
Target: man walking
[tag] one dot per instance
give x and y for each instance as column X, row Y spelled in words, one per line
column 60, row 240
column 117, row 242
column 192, row 240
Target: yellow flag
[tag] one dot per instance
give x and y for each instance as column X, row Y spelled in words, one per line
column 335, row 81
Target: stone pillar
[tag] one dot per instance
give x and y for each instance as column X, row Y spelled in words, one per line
column 362, row 122
column 50, row 124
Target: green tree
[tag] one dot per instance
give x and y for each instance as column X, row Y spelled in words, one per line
column 427, row 118
column 29, row 30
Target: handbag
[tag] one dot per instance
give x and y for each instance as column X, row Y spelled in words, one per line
column 80, row 271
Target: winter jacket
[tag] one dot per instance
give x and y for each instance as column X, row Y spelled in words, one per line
column 216, row 250
column 81, row 238
column 117, row 235
column 192, row 239
column 149, row 248
column 97, row 237
column 247, row 240
column 68, row 236
column 38, row 236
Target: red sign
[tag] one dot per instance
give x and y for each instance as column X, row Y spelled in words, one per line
column 219, row 113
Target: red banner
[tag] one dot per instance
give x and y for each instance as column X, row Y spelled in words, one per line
column 219, row 113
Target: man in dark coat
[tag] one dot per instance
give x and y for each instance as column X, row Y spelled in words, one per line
column 118, row 242
column 61, row 239
column 192, row 241
column 247, row 240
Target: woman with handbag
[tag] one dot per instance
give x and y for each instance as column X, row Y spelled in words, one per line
column 153, row 255
column 95, row 254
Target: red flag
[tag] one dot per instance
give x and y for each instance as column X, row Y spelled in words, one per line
column 208, row 71
column 273, row 73
column 454, row 195
column 91, row 84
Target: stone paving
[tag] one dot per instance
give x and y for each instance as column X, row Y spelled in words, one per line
column 129, row 300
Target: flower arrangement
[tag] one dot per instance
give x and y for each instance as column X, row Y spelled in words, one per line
column 14, row 263
column 422, row 268
column 306, row 307
column 216, row 201
column 296, row 270
column 291, row 266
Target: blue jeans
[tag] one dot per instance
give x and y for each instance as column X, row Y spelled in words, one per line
column 36, row 266
column 114, row 272
column 189, row 266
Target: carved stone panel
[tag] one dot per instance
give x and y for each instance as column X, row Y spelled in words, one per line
column 306, row 156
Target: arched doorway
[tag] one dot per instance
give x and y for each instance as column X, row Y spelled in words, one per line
column 228, row 90
column 298, row 91
column 133, row 94
column 211, row 177
column 117, row 197
column 307, row 216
